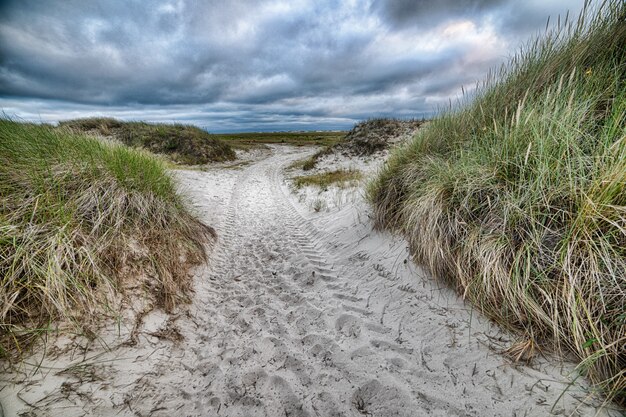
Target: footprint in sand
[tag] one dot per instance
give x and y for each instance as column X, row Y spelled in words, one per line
column 378, row 400
column 348, row 325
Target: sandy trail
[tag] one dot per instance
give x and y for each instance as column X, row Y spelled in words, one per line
column 303, row 314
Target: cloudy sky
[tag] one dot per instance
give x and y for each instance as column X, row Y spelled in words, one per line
column 244, row 65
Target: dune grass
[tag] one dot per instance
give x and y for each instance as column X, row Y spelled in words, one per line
column 183, row 144
column 78, row 217
column 340, row 177
column 518, row 197
column 366, row 138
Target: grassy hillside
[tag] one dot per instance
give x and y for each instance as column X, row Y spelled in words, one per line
column 78, row 217
column 183, row 144
column 518, row 198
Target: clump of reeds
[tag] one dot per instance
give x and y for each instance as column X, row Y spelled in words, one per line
column 518, row 198
column 77, row 217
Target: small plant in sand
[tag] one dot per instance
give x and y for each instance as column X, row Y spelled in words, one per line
column 318, row 205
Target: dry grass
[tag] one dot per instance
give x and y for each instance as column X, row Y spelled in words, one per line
column 311, row 162
column 518, row 198
column 77, row 218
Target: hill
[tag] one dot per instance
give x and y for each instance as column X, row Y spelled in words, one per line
column 184, row 144
column 82, row 220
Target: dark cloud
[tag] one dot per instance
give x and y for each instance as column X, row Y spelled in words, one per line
column 430, row 12
column 253, row 64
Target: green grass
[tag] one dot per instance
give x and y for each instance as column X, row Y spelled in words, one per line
column 518, row 198
column 247, row 140
column 341, row 178
column 78, row 219
column 309, row 163
column 183, row 144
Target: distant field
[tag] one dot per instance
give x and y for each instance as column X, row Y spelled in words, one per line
column 247, row 140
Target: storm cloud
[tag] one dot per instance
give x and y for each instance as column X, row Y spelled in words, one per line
column 254, row 65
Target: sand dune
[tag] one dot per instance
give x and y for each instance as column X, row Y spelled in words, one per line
column 300, row 314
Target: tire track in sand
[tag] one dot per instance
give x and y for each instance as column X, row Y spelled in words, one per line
column 285, row 334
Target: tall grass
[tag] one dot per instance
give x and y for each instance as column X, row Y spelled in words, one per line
column 518, row 198
column 77, row 218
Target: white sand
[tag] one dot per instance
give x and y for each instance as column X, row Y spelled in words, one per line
column 301, row 314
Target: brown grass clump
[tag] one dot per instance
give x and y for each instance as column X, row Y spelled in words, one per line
column 77, row 218
column 518, row 199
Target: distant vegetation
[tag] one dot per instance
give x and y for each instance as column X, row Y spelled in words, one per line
column 518, row 199
column 191, row 145
column 247, row 140
column 79, row 217
column 184, row 144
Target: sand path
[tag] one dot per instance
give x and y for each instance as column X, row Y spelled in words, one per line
column 309, row 314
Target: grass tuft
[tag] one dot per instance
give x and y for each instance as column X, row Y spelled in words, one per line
column 518, row 198
column 311, row 162
column 79, row 218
